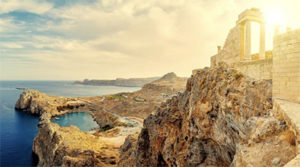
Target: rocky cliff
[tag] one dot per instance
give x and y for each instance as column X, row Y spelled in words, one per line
column 37, row 103
column 68, row 146
column 117, row 115
column 222, row 119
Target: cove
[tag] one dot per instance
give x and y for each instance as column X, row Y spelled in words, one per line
column 83, row 120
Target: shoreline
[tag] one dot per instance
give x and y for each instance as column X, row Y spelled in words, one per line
column 49, row 107
column 117, row 115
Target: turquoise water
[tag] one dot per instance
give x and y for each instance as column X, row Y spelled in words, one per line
column 82, row 120
column 18, row 129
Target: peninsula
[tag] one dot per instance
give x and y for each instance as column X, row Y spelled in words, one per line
column 118, row 115
column 130, row 82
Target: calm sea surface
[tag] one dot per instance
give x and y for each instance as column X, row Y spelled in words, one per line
column 18, row 129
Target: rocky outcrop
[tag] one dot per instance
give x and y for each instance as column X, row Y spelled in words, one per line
column 127, row 151
column 47, row 106
column 169, row 83
column 68, row 146
column 222, row 119
column 38, row 103
column 142, row 102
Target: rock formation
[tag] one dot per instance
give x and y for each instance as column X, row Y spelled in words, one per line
column 168, row 83
column 142, row 102
column 117, row 115
column 37, row 103
column 222, row 119
column 68, row 146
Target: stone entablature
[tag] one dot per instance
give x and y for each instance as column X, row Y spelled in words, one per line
column 253, row 14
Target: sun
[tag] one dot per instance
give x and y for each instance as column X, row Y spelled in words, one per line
column 274, row 17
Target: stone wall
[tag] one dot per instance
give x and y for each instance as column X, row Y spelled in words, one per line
column 286, row 66
column 230, row 52
column 213, row 60
column 258, row 69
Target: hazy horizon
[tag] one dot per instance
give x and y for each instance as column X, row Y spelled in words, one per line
column 106, row 39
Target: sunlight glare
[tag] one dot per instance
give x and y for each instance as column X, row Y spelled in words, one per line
column 274, row 17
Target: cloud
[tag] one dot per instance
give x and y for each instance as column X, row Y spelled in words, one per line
column 31, row 6
column 129, row 38
column 7, row 25
column 116, row 38
column 12, row 45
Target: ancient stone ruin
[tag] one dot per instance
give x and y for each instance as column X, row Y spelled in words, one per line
column 281, row 64
column 238, row 44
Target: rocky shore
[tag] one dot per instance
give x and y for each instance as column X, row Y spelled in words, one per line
column 117, row 115
column 222, row 118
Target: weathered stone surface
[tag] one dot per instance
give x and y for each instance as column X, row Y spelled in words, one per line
column 68, row 146
column 258, row 69
column 117, row 115
column 294, row 162
column 222, row 119
column 142, row 102
column 127, row 151
column 286, row 66
column 276, row 161
column 38, row 103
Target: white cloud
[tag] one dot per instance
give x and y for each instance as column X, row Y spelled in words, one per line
column 32, row 6
column 10, row 45
column 7, row 25
column 127, row 38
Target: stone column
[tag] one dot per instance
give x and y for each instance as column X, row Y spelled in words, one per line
column 248, row 41
column 262, row 45
column 242, row 42
column 219, row 51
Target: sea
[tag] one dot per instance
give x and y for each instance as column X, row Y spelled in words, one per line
column 18, row 129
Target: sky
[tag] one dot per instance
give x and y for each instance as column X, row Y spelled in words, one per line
column 105, row 39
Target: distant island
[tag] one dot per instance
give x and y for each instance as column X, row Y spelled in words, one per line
column 130, row 82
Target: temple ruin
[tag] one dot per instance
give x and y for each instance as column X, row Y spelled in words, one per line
column 244, row 23
column 281, row 64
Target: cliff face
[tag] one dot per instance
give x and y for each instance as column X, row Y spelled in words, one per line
column 117, row 115
column 68, row 146
column 222, row 119
column 38, row 103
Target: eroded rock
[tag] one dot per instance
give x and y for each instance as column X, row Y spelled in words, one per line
column 68, row 146
column 222, row 119
column 38, row 103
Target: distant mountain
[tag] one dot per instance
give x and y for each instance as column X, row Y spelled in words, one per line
column 130, row 82
column 169, row 81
